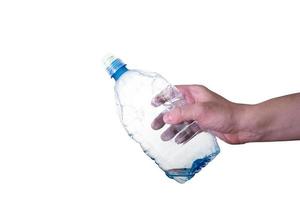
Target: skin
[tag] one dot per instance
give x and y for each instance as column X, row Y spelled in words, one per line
column 277, row 119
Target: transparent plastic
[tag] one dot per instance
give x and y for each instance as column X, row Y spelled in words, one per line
column 135, row 93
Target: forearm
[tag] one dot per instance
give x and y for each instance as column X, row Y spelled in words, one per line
column 273, row 120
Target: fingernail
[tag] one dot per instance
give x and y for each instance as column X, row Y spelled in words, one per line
column 179, row 140
column 164, row 137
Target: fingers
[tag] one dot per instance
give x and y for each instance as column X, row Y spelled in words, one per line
column 189, row 112
column 188, row 133
column 158, row 122
column 184, row 132
column 170, row 92
column 170, row 132
column 179, row 115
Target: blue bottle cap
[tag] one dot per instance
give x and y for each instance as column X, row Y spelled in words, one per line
column 115, row 67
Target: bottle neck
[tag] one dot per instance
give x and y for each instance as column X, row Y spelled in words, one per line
column 115, row 67
column 119, row 72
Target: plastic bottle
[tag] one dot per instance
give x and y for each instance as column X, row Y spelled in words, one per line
column 135, row 93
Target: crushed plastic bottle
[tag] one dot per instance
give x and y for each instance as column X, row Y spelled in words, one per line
column 135, row 95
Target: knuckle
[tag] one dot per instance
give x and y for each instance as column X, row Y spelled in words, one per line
column 178, row 114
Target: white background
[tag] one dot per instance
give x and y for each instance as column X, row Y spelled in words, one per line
column 60, row 137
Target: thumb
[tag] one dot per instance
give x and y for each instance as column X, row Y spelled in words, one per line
column 183, row 113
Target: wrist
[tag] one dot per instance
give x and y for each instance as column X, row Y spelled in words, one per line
column 250, row 122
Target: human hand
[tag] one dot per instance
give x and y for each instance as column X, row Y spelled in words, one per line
column 212, row 112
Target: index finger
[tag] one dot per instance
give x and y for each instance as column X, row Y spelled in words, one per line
column 167, row 94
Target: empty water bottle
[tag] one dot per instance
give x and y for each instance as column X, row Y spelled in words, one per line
column 142, row 97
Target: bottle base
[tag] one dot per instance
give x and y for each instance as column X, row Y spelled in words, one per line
column 185, row 174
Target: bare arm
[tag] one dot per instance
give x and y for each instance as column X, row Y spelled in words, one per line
column 273, row 120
